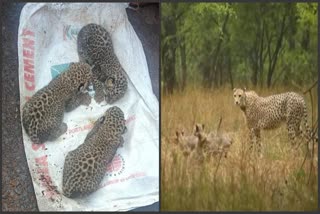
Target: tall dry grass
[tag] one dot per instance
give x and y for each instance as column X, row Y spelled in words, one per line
column 243, row 180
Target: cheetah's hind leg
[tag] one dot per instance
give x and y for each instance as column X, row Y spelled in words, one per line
column 58, row 132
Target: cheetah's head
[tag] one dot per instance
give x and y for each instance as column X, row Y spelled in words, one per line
column 239, row 97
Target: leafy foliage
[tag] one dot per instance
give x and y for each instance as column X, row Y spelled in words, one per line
column 216, row 44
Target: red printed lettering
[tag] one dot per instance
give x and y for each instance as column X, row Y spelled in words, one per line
column 131, row 118
column 28, row 77
column 35, row 146
column 29, row 86
column 45, row 180
column 28, row 44
column 43, row 170
column 42, row 161
column 27, row 32
column 28, row 54
column 28, row 60
column 28, row 65
column 78, row 129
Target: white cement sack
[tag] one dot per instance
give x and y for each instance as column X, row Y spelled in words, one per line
column 46, row 46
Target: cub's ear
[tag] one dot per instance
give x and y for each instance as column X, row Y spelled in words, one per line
column 182, row 132
column 177, row 133
column 202, row 127
column 234, row 89
column 244, row 88
column 197, row 128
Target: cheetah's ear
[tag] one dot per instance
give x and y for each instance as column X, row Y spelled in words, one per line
column 244, row 88
column 197, row 128
column 234, row 89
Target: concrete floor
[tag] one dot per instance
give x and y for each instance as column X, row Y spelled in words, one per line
column 17, row 189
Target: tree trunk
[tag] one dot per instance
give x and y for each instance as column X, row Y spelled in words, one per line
column 217, row 51
column 169, row 57
column 305, row 39
column 274, row 58
column 183, row 64
column 230, row 72
column 261, row 58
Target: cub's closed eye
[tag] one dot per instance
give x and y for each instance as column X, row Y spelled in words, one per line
column 111, row 80
column 80, row 87
column 101, row 119
column 239, row 95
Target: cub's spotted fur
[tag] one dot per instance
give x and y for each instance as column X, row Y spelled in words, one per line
column 42, row 115
column 85, row 167
column 95, row 47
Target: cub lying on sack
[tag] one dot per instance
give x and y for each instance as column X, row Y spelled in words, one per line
column 85, row 167
column 269, row 112
column 42, row 114
column 95, row 47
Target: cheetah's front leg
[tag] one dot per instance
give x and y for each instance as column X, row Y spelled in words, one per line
column 255, row 138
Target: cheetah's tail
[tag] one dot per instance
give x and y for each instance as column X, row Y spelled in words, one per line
column 309, row 133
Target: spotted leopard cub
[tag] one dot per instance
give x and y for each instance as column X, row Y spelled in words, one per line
column 85, row 167
column 269, row 112
column 95, row 47
column 42, row 114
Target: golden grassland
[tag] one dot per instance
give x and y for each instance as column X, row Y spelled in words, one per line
column 277, row 180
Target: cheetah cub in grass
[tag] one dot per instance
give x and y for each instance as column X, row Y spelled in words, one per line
column 186, row 143
column 95, row 47
column 269, row 112
column 212, row 143
column 42, row 114
column 85, row 167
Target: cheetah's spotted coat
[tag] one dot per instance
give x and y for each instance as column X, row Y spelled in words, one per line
column 269, row 112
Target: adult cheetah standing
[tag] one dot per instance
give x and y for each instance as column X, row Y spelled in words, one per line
column 269, row 112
